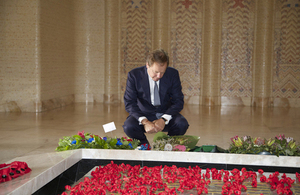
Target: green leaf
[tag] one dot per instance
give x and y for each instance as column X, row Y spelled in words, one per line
column 159, row 135
column 113, row 142
column 105, row 146
column 77, row 137
column 99, row 141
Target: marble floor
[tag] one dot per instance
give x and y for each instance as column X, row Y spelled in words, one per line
column 23, row 134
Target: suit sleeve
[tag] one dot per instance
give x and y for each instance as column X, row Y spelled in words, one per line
column 177, row 98
column 130, row 97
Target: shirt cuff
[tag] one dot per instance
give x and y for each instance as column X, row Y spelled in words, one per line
column 167, row 117
column 140, row 119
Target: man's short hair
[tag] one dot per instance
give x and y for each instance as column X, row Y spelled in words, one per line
column 159, row 56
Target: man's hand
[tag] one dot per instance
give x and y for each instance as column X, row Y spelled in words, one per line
column 159, row 124
column 149, row 126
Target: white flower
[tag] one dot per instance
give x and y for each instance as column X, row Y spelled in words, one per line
column 168, row 147
column 288, row 139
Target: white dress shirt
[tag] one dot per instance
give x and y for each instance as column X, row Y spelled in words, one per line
column 165, row 116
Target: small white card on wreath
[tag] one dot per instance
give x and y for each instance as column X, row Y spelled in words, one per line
column 109, row 127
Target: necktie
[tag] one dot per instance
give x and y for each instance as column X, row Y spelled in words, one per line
column 156, row 95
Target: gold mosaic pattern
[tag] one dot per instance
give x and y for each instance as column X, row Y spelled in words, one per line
column 286, row 82
column 185, row 54
column 136, row 36
column 237, row 48
column 53, row 51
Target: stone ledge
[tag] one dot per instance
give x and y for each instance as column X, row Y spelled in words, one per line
column 46, row 167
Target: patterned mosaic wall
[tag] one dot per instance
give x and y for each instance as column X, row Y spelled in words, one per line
column 136, row 35
column 185, row 54
column 53, row 52
column 286, row 73
column 237, row 48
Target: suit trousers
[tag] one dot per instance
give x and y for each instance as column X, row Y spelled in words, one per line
column 178, row 125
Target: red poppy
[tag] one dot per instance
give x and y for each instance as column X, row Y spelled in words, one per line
column 260, row 171
column 67, row 187
column 263, row 179
column 254, row 183
column 244, row 187
column 5, row 175
column 207, row 175
column 133, row 178
column 298, row 176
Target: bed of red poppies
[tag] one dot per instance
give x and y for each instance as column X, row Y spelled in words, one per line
column 127, row 179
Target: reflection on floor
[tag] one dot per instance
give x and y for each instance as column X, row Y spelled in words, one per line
column 24, row 134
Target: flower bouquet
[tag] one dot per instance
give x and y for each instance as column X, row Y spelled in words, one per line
column 286, row 146
column 163, row 142
column 280, row 145
column 88, row 140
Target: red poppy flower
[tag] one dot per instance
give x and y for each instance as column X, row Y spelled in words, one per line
column 208, row 182
column 254, row 183
column 235, row 171
column 207, row 175
column 133, row 178
column 260, row 171
column 225, row 178
column 67, row 187
column 273, row 186
column 224, row 192
column 244, row 187
column 5, row 175
column 298, row 176
column 263, row 179
column 200, row 191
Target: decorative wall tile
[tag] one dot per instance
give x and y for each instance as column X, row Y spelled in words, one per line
column 136, row 36
column 185, row 54
column 237, row 48
column 54, row 51
column 286, row 77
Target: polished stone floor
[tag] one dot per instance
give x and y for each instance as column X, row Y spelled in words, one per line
column 23, row 134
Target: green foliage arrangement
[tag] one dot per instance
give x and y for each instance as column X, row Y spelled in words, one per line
column 280, row 145
column 87, row 140
column 163, row 142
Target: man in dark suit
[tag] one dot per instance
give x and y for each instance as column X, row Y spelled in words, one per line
column 153, row 99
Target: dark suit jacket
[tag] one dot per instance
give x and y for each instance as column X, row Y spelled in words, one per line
column 137, row 95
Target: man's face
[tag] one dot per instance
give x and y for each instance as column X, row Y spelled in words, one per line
column 156, row 71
